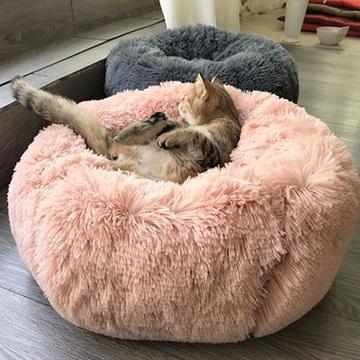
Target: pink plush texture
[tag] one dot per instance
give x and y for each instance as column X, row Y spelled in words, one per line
column 246, row 249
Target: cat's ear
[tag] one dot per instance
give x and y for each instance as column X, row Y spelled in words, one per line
column 203, row 86
column 217, row 80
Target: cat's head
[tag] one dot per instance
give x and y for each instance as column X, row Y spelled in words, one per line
column 205, row 101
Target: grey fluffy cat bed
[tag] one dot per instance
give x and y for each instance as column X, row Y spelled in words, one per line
column 246, row 61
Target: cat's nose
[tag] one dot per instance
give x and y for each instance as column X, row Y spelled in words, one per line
column 114, row 158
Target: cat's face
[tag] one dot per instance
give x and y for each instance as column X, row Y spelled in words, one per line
column 203, row 100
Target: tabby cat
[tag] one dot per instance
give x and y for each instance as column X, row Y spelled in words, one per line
column 157, row 148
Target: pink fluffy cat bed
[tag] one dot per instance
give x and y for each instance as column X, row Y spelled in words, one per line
column 238, row 251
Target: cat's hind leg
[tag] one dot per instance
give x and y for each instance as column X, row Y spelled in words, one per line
column 59, row 110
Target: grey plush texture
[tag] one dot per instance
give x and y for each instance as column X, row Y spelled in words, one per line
column 246, row 61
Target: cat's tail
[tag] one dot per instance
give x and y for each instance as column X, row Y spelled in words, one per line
column 58, row 110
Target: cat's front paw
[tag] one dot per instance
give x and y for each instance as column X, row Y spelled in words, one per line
column 168, row 140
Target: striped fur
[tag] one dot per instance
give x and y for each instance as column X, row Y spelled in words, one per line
column 156, row 148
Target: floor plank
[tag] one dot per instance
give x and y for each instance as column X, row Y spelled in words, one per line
column 248, row 350
column 319, row 335
column 355, row 239
column 44, row 56
column 33, row 331
column 329, row 90
column 98, row 53
column 13, row 274
column 156, row 15
column 57, row 61
column 333, row 338
column 338, row 302
column 25, row 24
column 119, row 28
column 90, row 12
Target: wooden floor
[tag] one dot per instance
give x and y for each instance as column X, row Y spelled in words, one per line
column 30, row 328
column 28, row 24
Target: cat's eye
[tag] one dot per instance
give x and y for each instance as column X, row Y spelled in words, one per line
column 114, row 158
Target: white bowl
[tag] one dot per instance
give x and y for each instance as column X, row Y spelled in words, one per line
column 331, row 35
